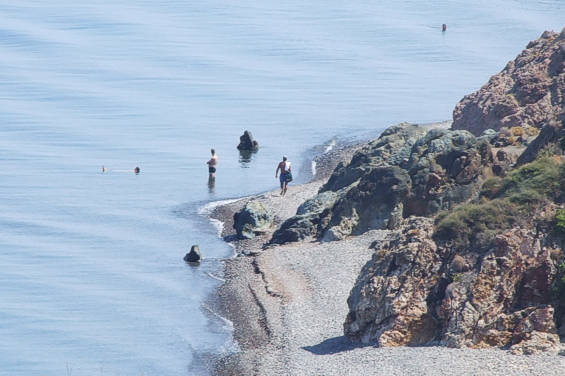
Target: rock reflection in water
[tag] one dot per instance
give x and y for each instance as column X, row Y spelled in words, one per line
column 211, row 184
column 245, row 157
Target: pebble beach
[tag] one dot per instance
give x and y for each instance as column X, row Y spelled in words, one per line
column 288, row 304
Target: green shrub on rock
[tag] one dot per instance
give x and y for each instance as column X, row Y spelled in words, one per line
column 559, row 227
column 540, row 178
column 476, row 225
column 506, row 200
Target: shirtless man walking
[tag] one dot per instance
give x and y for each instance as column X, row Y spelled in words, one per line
column 212, row 163
column 286, row 169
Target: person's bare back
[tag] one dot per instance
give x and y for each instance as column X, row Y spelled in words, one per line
column 286, row 174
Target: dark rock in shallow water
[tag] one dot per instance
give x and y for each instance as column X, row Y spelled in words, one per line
column 246, row 142
column 194, row 254
column 253, row 219
column 245, row 156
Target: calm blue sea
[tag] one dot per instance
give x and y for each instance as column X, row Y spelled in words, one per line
column 92, row 280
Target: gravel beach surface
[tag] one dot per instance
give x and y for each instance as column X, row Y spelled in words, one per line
column 288, row 304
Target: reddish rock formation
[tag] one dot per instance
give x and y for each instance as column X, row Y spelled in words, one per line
column 528, row 92
column 388, row 303
column 415, row 291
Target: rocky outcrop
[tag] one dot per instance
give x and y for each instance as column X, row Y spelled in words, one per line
column 373, row 202
column 388, row 302
column 247, row 142
column 407, row 171
column 252, row 220
column 528, row 92
column 416, row 291
column 552, row 135
column 489, row 271
column 392, row 147
column 307, row 219
column 194, row 255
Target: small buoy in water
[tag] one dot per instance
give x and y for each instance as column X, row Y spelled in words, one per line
column 136, row 170
column 194, row 255
column 443, row 27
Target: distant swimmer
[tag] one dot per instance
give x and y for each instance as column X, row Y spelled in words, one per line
column 212, row 163
column 286, row 174
column 444, row 27
column 136, row 170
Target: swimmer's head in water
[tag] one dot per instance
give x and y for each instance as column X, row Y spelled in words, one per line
column 136, row 170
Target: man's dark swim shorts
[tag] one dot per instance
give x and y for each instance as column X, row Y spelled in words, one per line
column 211, row 170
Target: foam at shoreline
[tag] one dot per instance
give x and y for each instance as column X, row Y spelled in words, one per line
column 207, row 209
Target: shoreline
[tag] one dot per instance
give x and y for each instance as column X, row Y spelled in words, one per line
column 243, row 298
column 287, row 304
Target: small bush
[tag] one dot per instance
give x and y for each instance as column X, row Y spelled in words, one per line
column 476, row 224
column 540, row 178
column 505, row 201
column 517, row 131
column 532, row 131
column 560, row 222
column 491, row 187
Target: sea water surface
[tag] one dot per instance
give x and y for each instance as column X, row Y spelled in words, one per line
column 92, row 280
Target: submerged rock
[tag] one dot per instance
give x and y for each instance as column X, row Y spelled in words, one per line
column 247, row 142
column 194, row 254
column 252, row 220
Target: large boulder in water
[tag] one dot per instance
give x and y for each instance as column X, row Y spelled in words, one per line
column 253, row 219
column 247, row 142
column 194, row 254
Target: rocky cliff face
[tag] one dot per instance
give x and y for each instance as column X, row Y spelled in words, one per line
column 417, row 291
column 407, row 171
column 475, row 254
column 529, row 91
column 487, row 269
column 489, row 272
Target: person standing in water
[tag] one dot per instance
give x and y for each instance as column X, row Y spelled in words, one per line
column 212, row 163
column 286, row 174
